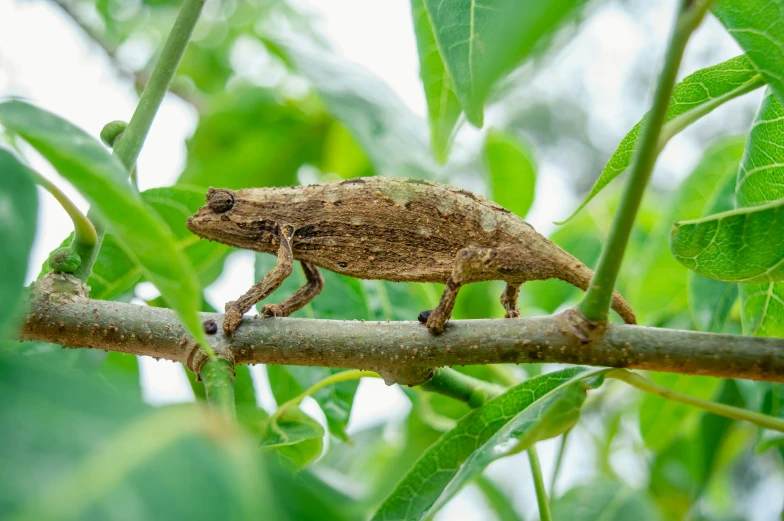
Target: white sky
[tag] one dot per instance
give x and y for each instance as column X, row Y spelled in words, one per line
column 43, row 57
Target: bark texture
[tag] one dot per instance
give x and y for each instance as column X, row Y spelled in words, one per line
column 402, row 352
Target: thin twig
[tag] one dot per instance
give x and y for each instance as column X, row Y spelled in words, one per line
column 761, row 420
column 559, row 461
column 541, row 493
column 596, row 302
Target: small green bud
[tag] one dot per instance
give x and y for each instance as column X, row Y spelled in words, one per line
column 111, row 131
column 64, row 260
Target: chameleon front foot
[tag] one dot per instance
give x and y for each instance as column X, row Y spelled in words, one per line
column 232, row 319
column 435, row 321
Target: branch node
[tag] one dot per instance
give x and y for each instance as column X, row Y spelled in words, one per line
column 197, row 357
column 60, row 288
column 586, row 331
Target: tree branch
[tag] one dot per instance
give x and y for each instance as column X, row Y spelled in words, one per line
column 402, row 352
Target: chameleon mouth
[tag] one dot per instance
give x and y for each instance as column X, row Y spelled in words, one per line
column 200, row 223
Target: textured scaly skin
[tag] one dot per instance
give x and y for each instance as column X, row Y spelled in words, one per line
column 386, row 228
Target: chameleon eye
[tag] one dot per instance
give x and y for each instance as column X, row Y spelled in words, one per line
column 220, row 201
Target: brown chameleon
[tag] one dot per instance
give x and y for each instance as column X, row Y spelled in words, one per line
column 386, row 228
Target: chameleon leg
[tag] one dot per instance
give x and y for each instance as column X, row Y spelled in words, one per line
column 313, row 286
column 509, row 299
column 470, row 263
column 271, row 281
column 512, row 264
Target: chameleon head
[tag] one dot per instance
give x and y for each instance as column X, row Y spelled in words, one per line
column 231, row 218
column 209, row 220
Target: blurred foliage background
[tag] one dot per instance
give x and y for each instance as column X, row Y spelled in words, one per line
column 276, row 105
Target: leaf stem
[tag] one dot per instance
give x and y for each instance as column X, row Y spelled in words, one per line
column 330, row 380
column 596, row 302
column 129, row 144
column 218, row 377
column 678, row 124
column 635, row 380
column 84, row 231
column 334, row 379
column 541, row 493
column 559, row 460
column 462, row 387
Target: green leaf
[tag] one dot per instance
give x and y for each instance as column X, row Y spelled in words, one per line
column 125, row 364
column 757, row 26
column 103, row 181
column 342, row 154
column 762, row 169
column 390, row 134
column 244, row 394
column 398, row 300
column 18, row 215
column 710, row 300
column 342, row 298
column 761, row 181
column 443, row 107
column 512, row 172
column 536, row 409
column 175, row 204
column 662, row 420
column 745, row 245
column 481, row 41
column 661, row 290
column 251, row 138
column 75, row 451
column 296, row 437
column 682, row 473
column 72, row 450
column 290, row 381
column 114, row 272
column 697, row 95
column 770, row 442
column 606, row 500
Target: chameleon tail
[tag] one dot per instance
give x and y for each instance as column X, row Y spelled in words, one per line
column 580, row 275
